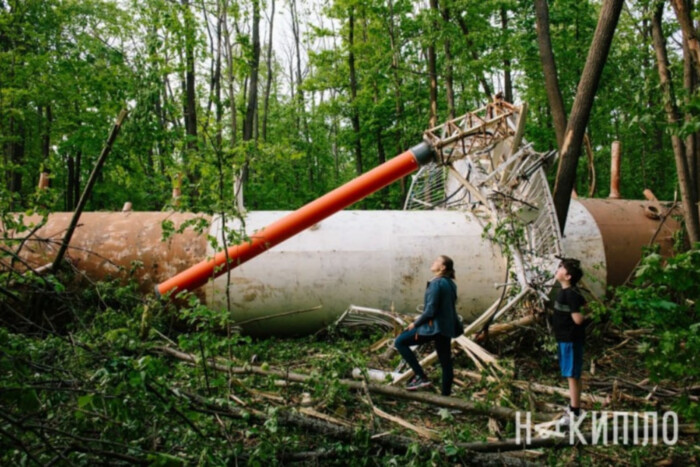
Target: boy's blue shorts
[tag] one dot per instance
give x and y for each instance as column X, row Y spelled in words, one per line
column 570, row 359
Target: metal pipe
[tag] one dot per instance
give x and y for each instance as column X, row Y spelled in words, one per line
column 301, row 219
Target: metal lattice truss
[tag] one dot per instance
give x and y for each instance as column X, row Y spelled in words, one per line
column 485, row 168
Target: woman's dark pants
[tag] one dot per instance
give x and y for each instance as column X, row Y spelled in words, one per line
column 444, row 352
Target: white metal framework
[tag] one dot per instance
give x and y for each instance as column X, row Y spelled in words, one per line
column 485, row 169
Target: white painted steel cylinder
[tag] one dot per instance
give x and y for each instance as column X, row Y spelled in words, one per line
column 378, row 259
column 583, row 240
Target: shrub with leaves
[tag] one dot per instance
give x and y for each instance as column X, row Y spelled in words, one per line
column 664, row 297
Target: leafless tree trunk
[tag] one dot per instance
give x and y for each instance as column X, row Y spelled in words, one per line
column 432, row 73
column 674, row 119
column 353, row 91
column 549, row 67
column 581, row 110
column 268, row 82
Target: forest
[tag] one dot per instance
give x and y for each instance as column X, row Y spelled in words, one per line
column 268, row 105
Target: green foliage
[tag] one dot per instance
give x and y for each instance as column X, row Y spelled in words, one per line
column 664, row 298
column 66, row 68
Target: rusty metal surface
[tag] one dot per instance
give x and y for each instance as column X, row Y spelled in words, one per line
column 625, row 229
column 111, row 244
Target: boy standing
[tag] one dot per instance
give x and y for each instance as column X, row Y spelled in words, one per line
column 568, row 327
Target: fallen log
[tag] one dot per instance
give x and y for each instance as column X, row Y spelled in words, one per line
column 537, row 387
column 501, row 413
column 394, row 443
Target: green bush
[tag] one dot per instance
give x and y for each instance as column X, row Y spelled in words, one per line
column 663, row 297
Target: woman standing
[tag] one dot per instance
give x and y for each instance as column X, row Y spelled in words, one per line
column 438, row 323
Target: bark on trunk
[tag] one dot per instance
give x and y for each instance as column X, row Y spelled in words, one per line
column 353, row 91
column 475, row 56
column 268, row 81
column 432, row 73
column 254, row 64
column 683, row 10
column 690, row 81
column 581, row 110
column 230, row 78
column 449, row 86
column 674, row 119
column 507, row 80
column 397, row 82
column 46, row 137
column 549, row 67
column 190, row 96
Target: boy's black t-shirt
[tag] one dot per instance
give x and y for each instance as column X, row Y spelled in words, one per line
column 569, row 300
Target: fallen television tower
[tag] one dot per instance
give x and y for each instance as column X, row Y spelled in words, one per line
column 480, row 196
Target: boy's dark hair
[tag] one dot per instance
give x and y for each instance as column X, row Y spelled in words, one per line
column 573, row 269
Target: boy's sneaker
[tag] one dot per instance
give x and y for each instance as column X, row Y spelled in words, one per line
column 417, row 383
column 565, row 421
column 569, row 418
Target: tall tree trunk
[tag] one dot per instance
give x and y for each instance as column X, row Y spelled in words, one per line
column 254, row 64
column 549, row 67
column 690, row 82
column 475, row 55
column 16, row 155
column 507, row 80
column 355, row 115
column 381, row 153
column 397, row 82
column 76, row 177
column 449, row 80
column 674, row 119
column 268, row 81
column 190, row 96
column 220, row 18
column 432, row 71
column 684, row 9
column 581, row 110
column 297, row 48
column 230, row 77
column 252, row 83
column 70, row 190
column 46, row 137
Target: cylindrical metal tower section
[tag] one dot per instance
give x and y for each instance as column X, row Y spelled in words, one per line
column 378, row 259
column 621, row 229
column 582, row 240
column 367, row 258
column 117, row 244
column 301, row 219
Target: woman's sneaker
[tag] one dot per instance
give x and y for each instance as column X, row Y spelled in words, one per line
column 417, row 383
